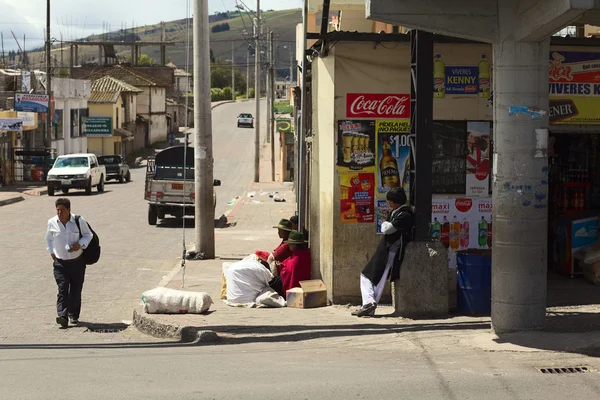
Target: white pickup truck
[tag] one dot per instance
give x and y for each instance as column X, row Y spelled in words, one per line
column 170, row 188
column 76, row 171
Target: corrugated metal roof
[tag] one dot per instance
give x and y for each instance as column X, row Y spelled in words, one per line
column 110, row 84
column 104, row 97
column 130, row 77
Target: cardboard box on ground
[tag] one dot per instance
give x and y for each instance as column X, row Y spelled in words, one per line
column 310, row 294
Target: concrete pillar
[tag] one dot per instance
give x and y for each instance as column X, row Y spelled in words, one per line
column 520, row 190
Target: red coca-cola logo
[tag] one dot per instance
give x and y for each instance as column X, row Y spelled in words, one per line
column 464, row 205
column 375, row 105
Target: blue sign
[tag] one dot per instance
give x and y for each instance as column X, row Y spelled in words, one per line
column 32, row 102
column 584, row 232
column 462, row 80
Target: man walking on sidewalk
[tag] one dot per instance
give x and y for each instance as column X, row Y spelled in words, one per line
column 66, row 242
column 388, row 257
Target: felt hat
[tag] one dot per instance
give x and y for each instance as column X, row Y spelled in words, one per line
column 296, row 238
column 284, row 225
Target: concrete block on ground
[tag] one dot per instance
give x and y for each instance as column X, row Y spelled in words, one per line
column 422, row 291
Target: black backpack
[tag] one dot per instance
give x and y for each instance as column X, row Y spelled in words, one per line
column 91, row 254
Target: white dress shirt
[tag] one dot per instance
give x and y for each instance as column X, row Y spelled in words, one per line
column 60, row 237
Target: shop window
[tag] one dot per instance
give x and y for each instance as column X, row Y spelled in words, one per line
column 83, row 114
column 58, row 132
column 449, row 157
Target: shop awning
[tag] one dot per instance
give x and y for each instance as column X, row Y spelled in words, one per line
column 126, row 136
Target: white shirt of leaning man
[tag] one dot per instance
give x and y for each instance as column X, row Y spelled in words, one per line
column 63, row 239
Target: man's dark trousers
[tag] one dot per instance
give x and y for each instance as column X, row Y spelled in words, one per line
column 69, row 275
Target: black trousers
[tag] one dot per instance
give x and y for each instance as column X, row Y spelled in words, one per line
column 69, row 277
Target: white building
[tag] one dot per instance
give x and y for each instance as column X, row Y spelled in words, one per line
column 71, row 105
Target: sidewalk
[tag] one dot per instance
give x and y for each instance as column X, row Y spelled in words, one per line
column 570, row 328
column 15, row 193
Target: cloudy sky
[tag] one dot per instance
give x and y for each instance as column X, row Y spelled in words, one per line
column 75, row 19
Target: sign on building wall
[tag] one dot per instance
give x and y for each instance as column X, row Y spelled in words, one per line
column 11, row 124
column 393, row 162
column 29, row 119
column 356, row 145
column 98, row 126
column 574, row 88
column 357, row 195
column 478, row 159
column 377, row 106
column 461, row 79
column 32, row 102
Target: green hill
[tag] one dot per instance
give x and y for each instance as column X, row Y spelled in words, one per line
column 283, row 23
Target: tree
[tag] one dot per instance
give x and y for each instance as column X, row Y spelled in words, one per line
column 212, row 57
column 145, row 59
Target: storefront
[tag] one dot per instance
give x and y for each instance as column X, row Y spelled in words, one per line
column 360, row 116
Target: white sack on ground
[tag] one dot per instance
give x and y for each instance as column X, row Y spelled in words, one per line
column 246, row 280
column 168, row 301
column 271, row 299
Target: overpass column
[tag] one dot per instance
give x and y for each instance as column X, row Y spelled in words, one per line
column 520, row 187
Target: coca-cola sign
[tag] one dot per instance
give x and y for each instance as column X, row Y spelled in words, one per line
column 375, row 105
column 464, row 205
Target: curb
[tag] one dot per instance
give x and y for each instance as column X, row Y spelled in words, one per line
column 12, row 200
column 36, row 192
column 186, row 334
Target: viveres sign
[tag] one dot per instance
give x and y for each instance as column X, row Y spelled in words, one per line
column 377, row 106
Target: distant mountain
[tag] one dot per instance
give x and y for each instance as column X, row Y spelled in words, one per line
column 283, row 24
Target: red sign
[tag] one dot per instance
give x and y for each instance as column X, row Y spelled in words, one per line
column 464, row 205
column 377, row 106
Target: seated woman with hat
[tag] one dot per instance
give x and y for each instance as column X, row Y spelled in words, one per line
column 294, row 269
column 282, row 251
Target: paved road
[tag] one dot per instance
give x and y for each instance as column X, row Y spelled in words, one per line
column 282, row 369
column 135, row 255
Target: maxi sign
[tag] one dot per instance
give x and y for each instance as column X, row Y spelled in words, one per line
column 32, row 102
column 574, row 88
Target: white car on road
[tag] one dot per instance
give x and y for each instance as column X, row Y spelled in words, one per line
column 76, row 171
column 245, row 119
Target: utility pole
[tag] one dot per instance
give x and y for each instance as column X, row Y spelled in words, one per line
column 203, row 152
column 272, row 108
column 232, row 71
column 257, row 95
column 2, row 40
column 268, row 88
column 48, row 76
column 247, row 72
column 302, row 127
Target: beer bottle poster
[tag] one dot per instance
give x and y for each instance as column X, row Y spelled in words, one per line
column 356, row 145
column 357, row 196
column 478, row 159
column 393, row 155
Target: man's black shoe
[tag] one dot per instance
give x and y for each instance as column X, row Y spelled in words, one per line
column 62, row 321
column 74, row 321
column 365, row 310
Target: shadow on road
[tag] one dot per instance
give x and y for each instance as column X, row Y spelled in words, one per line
column 80, row 193
column 176, row 223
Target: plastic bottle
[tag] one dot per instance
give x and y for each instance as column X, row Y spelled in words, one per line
column 455, row 233
column 436, row 230
column 439, row 77
column 445, row 233
column 484, row 77
column 489, row 234
column 464, row 234
column 482, row 234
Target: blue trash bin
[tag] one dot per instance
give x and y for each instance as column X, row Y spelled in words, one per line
column 474, row 270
